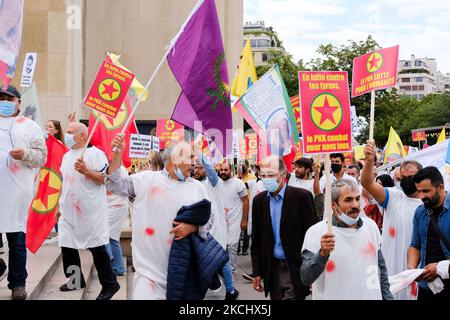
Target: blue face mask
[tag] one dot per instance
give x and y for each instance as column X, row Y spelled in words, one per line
column 180, row 175
column 271, row 184
column 68, row 139
column 346, row 219
column 7, row 108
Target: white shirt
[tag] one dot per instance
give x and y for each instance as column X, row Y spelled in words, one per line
column 117, row 211
column 232, row 191
column 158, row 200
column 301, row 183
column 16, row 178
column 352, row 268
column 217, row 221
column 397, row 233
column 83, row 204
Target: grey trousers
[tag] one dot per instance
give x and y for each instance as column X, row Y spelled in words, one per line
column 281, row 286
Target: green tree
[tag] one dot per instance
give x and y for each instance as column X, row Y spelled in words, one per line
column 288, row 70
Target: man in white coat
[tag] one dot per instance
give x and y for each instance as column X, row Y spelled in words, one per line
column 159, row 195
column 399, row 207
column 22, row 150
column 217, row 225
column 84, row 213
column 346, row 264
column 237, row 206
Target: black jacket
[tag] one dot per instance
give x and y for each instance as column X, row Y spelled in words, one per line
column 298, row 215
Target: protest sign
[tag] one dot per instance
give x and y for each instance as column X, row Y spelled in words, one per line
column 325, row 110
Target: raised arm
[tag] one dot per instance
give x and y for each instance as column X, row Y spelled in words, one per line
column 367, row 179
column 115, row 182
column 210, row 171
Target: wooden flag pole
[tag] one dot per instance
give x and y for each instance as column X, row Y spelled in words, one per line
column 90, row 137
column 372, row 115
column 328, row 210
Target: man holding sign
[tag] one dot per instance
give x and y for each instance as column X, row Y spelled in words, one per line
column 346, row 264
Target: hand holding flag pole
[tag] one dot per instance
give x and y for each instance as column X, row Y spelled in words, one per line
column 372, row 115
column 328, row 210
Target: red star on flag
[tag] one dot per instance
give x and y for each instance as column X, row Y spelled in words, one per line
column 374, row 62
column 45, row 190
column 109, row 89
column 326, row 112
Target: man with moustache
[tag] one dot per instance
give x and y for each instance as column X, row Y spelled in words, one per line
column 346, row 264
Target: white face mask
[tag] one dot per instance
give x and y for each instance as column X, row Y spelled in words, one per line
column 180, row 175
column 346, row 219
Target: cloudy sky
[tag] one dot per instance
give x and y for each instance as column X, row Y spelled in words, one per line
column 420, row 27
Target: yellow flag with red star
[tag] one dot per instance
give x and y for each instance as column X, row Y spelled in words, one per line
column 41, row 214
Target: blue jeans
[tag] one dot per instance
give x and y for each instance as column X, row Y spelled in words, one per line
column 228, row 278
column 17, row 275
column 115, row 254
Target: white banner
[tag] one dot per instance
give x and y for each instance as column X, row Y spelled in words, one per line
column 354, row 117
column 435, row 156
column 137, row 150
column 29, row 66
column 155, row 146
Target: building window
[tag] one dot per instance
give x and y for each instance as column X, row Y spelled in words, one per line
column 421, row 88
column 420, row 64
column 407, row 64
column 264, row 57
column 419, row 79
column 406, row 80
column 414, row 88
column 406, row 88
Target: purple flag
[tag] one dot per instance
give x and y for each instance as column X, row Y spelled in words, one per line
column 198, row 63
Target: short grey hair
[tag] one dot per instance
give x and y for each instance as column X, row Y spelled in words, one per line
column 342, row 184
column 173, row 151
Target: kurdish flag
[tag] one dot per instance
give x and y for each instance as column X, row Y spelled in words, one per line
column 246, row 72
column 41, row 214
column 197, row 60
column 394, row 149
column 442, row 136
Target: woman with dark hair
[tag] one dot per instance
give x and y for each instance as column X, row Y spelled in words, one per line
column 54, row 129
column 385, row 180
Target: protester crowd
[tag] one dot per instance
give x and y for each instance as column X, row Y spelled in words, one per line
column 191, row 219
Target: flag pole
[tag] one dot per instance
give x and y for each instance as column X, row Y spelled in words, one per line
column 372, row 115
column 90, row 137
column 147, row 86
column 328, row 209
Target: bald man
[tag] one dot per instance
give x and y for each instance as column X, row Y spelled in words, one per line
column 159, row 195
column 84, row 213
